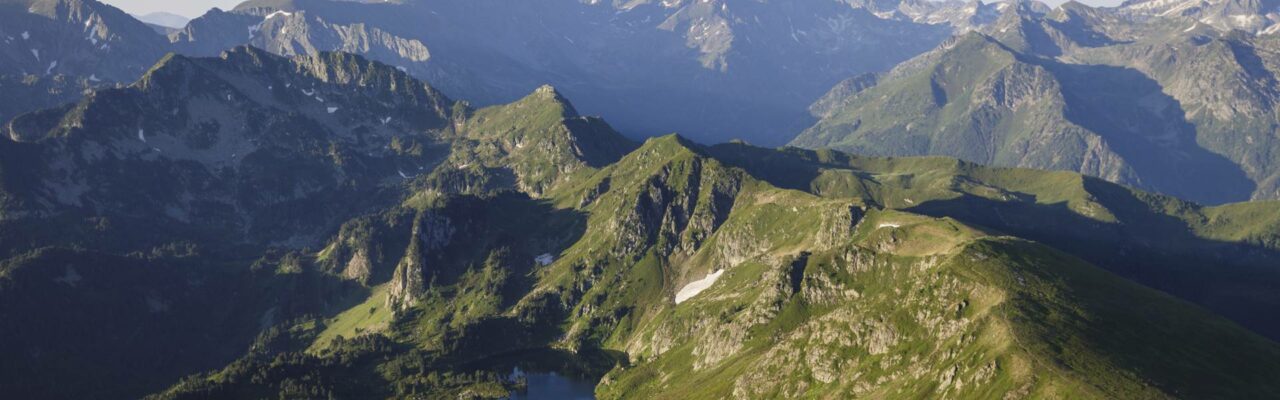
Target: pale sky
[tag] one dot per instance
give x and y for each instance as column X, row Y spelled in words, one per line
column 196, row 8
column 186, row 8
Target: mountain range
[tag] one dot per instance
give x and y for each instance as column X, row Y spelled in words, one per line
column 714, row 70
column 1172, row 105
column 1137, row 96
column 385, row 199
column 249, row 225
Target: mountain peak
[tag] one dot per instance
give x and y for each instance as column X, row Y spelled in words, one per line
column 669, row 144
column 547, row 90
column 549, row 96
column 169, row 65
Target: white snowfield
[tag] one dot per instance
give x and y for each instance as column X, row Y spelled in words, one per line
column 695, row 287
column 276, row 14
column 889, row 225
column 545, row 259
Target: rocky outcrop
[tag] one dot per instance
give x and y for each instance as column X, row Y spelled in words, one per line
column 413, row 275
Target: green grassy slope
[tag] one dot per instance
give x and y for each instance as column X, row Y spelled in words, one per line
column 821, row 293
column 1220, row 257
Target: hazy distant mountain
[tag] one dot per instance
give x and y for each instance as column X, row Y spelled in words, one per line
column 1174, row 106
column 714, row 70
column 165, row 19
column 1256, row 16
column 51, row 50
column 75, row 37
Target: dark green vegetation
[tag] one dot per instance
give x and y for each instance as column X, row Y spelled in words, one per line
column 1170, row 105
column 251, row 226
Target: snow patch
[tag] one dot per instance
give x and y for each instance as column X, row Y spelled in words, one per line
column 888, row 225
column 142, row 135
column 36, row 53
column 277, row 14
column 386, row 120
column 94, row 78
column 52, row 65
column 402, row 175
column 695, row 287
column 254, row 29
column 333, row 110
column 26, row 35
column 544, row 259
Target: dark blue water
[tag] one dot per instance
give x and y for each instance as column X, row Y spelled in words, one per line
column 552, row 386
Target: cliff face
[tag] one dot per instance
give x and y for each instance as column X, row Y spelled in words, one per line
column 431, row 233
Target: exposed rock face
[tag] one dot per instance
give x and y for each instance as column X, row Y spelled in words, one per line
column 679, row 207
column 409, row 283
column 359, row 268
column 413, row 274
